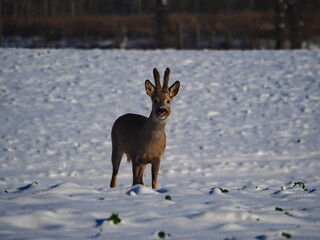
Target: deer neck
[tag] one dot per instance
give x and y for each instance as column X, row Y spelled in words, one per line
column 155, row 128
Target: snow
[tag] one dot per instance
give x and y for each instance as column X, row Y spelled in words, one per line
column 246, row 122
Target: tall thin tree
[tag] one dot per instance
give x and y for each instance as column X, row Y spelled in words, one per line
column 162, row 22
column 294, row 7
column 280, row 24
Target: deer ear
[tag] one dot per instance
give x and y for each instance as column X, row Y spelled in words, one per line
column 174, row 89
column 150, row 88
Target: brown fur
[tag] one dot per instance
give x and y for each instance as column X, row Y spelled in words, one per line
column 143, row 139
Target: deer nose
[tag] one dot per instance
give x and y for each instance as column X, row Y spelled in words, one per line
column 162, row 110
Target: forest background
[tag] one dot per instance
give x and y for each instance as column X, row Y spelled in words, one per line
column 150, row 24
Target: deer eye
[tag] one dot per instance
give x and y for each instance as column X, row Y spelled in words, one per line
column 168, row 101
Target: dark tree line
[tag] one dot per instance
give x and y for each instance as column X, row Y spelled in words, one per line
column 287, row 22
column 102, row 7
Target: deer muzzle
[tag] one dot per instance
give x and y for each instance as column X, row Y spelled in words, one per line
column 162, row 113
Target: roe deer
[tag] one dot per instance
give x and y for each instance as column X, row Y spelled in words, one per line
column 143, row 139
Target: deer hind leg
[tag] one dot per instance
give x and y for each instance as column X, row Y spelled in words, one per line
column 138, row 171
column 116, row 159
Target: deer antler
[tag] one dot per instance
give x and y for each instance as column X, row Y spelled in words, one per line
column 156, row 76
column 165, row 87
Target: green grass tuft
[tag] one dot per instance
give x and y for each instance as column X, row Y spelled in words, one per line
column 300, row 184
column 114, row 218
column 223, row 190
column 162, row 234
column 168, row 197
column 286, row 235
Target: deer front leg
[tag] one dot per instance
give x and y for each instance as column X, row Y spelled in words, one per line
column 137, row 171
column 155, row 169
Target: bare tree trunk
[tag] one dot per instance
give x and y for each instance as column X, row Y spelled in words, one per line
column 229, row 40
column 213, row 30
column 198, row 36
column 54, row 7
column 179, row 35
column 294, row 23
column 15, row 9
column 73, row 7
column 162, row 22
column 280, row 24
column 0, row 23
column 45, row 8
column 137, row 6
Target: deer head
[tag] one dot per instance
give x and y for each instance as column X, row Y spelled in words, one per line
column 161, row 96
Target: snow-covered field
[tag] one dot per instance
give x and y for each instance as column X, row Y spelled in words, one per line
column 242, row 158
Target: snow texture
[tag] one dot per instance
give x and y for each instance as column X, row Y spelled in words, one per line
column 242, row 158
